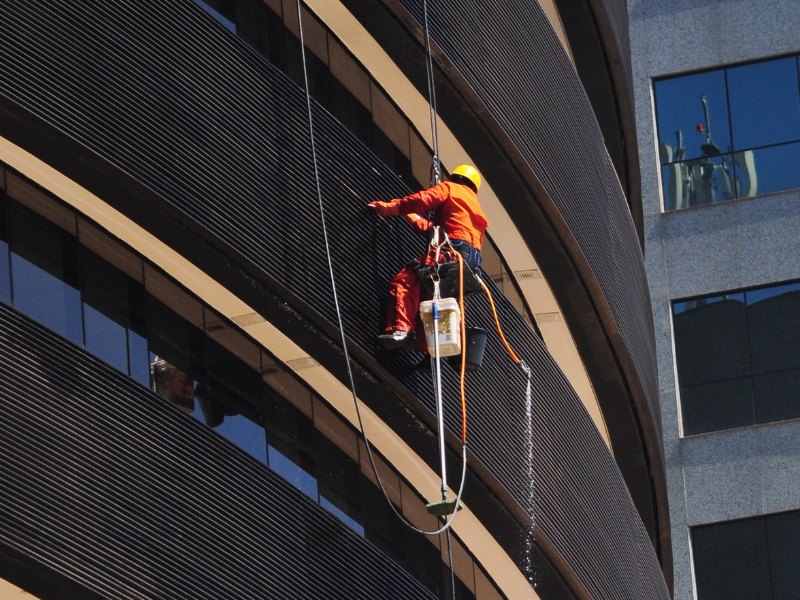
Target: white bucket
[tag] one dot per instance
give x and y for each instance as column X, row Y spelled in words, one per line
column 449, row 326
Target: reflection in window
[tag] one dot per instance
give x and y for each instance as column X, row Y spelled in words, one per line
column 751, row 558
column 738, row 358
column 729, row 133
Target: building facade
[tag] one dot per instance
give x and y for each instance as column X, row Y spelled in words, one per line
column 178, row 419
column 718, row 112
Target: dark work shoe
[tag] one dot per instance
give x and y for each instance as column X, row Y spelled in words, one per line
column 399, row 340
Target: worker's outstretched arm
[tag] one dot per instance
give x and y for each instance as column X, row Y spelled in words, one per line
column 420, row 203
column 420, row 224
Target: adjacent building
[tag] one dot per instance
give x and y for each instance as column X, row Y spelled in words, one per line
column 718, row 116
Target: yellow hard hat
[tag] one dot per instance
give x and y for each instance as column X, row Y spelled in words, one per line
column 470, row 173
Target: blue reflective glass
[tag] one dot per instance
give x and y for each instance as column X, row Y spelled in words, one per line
column 247, row 435
column 764, row 103
column 5, row 275
column 697, row 182
column 342, row 516
column 754, row 296
column 139, row 363
column 105, row 338
column 47, row 299
column 692, row 116
column 768, row 170
column 292, row 473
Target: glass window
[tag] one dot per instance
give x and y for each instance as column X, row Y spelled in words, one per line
column 40, row 203
column 752, row 558
column 178, row 365
column 106, row 309
column 765, row 103
column 339, row 477
column 233, row 386
column 738, row 358
column 696, row 182
column 777, row 170
column 730, row 561
column 293, row 473
column 692, row 113
column 44, row 267
column 729, row 133
column 711, row 339
column 246, row 434
column 774, row 330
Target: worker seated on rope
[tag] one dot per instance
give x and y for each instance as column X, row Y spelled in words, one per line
column 457, row 212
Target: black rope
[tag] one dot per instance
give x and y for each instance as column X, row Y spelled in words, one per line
column 449, row 521
column 435, row 167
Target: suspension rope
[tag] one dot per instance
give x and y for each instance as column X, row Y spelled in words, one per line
column 435, row 167
column 449, row 521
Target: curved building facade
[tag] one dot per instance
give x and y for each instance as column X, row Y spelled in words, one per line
column 177, row 414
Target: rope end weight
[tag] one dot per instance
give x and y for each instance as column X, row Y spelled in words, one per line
column 443, row 508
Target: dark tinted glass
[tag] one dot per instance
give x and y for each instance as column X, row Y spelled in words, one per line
column 783, row 535
column 764, row 103
column 681, row 115
column 774, row 326
column 777, row 395
column 44, row 265
column 731, row 561
column 718, row 405
column 424, row 560
column 767, row 170
column 711, row 339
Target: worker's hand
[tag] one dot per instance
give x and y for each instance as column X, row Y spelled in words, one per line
column 384, row 209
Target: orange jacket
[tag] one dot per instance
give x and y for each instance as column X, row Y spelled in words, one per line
column 458, row 211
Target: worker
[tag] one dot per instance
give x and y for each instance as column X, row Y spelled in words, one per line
column 457, row 212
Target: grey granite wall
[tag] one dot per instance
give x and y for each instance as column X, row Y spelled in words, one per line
column 752, row 470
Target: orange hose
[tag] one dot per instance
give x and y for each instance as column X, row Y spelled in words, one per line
column 497, row 322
